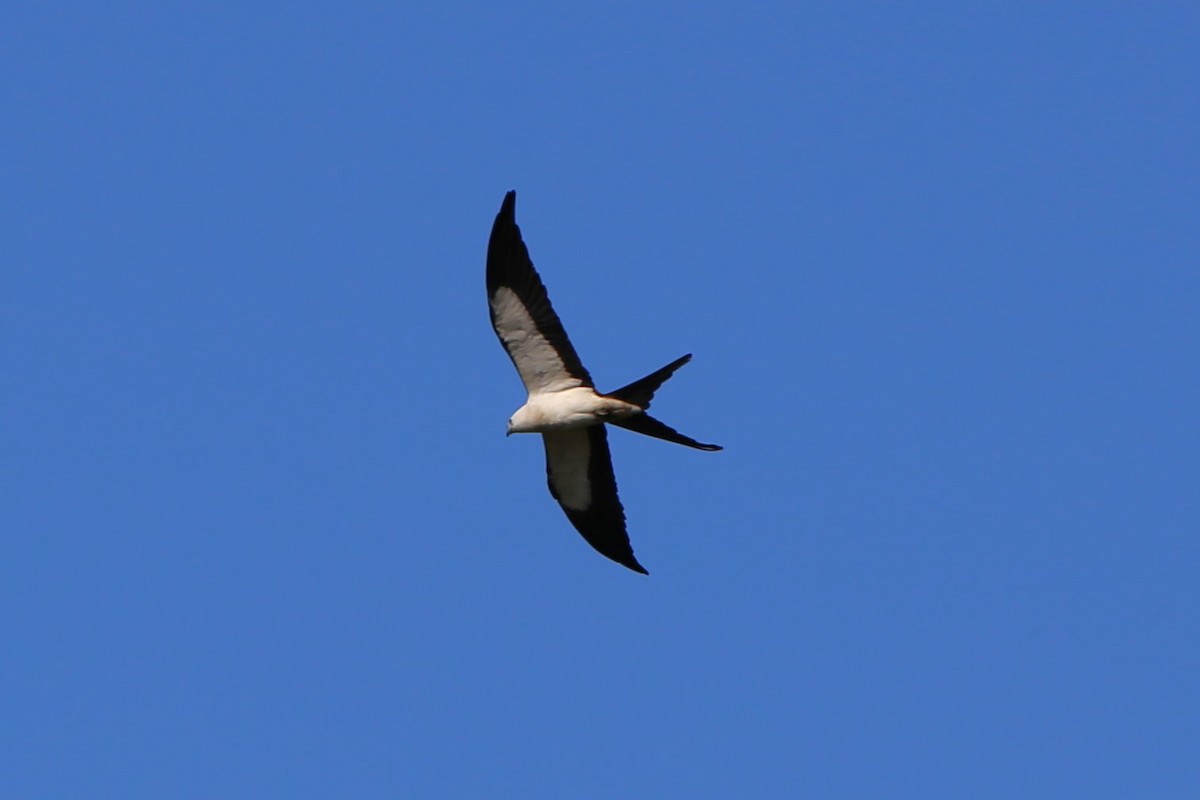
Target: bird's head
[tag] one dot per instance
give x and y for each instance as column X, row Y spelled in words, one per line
column 523, row 420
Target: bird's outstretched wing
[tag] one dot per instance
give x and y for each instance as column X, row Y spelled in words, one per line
column 579, row 471
column 522, row 315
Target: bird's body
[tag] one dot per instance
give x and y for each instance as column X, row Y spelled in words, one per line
column 567, row 409
column 563, row 404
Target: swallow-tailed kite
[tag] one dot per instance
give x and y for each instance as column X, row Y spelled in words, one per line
column 563, row 404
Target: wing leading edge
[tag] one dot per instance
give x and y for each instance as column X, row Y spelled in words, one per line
column 521, row 312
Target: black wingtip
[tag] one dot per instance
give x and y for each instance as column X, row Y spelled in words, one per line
column 619, row 554
column 505, row 225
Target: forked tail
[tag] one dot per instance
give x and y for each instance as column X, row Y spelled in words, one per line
column 640, row 393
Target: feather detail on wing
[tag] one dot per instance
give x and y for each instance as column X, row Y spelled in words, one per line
column 580, row 475
column 522, row 315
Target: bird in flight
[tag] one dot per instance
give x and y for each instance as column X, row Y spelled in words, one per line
column 563, row 404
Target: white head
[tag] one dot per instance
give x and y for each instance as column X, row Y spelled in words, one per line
column 524, row 420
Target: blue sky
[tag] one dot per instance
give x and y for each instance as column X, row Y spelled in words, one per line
column 264, row 535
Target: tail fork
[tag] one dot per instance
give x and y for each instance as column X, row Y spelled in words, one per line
column 641, row 391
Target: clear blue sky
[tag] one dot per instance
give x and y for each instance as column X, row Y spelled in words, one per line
column 263, row 534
